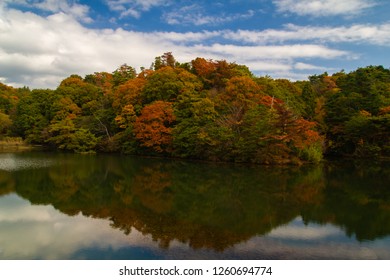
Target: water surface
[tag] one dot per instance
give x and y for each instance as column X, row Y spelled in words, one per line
column 66, row 206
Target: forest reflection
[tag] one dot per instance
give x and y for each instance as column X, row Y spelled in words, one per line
column 212, row 206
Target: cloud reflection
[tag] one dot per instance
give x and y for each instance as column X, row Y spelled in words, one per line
column 297, row 231
column 10, row 162
column 299, row 241
column 41, row 232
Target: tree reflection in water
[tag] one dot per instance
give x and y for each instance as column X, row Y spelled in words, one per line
column 213, row 206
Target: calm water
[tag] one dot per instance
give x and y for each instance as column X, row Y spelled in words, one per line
column 66, row 206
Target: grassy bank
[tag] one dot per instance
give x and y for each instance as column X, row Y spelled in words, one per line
column 13, row 144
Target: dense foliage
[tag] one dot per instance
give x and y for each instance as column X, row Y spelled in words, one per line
column 209, row 110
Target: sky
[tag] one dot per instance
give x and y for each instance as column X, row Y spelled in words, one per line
column 44, row 41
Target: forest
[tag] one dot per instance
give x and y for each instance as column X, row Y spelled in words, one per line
column 206, row 110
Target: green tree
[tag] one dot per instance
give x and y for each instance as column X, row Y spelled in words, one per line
column 65, row 136
column 309, row 99
column 122, row 74
column 195, row 117
column 167, row 59
column 33, row 114
column 167, row 83
column 355, row 115
column 78, row 90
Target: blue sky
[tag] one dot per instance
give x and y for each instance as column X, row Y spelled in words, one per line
column 45, row 41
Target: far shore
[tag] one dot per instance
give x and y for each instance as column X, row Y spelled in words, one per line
column 15, row 144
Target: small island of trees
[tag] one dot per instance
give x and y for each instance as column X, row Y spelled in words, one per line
column 206, row 110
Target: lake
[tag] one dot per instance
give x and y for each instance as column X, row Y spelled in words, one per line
column 69, row 206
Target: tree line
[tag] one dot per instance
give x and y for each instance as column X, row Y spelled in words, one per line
column 207, row 110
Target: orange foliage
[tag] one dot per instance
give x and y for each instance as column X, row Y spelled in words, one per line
column 306, row 135
column 72, row 81
column 127, row 117
column 203, row 67
column 153, row 128
column 128, row 93
column 104, row 80
column 66, row 109
column 384, row 110
column 330, row 85
column 145, row 73
column 242, row 88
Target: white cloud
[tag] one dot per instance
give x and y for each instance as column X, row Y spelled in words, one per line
column 284, row 52
column 134, row 8
column 197, row 15
column 40, row 51
column 296, row 242
column 357, row 33
column 268, row 65
column 305, row 66
column 187, row 37
column 72, row 8
column 319, row 8
column 33, row 49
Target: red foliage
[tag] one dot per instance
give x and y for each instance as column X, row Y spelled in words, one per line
column 270, row 101
column 153, row 128
column 203, row 67
column 304, row 133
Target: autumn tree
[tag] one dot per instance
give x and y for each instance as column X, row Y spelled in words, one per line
column 103, row 80
column 241, row 94
column 129, row 93
column 204, row 69
column 8, row 98
column 225, row 71
column 153, row 128
column 5, row 123
column 207, row 109
column 78, row 90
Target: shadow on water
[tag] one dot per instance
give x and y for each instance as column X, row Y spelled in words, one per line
column 208, row 206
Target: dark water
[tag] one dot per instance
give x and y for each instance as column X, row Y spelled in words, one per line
column 66, row 206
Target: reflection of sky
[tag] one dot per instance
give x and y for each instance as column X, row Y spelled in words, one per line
column 41, row 232
column 10, row 162
column 299, row 241
column 296, row 231
column 30, row 232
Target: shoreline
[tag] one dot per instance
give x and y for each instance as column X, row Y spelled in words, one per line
column 16, row 144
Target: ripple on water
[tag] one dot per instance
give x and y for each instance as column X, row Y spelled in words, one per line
column 10, row 162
